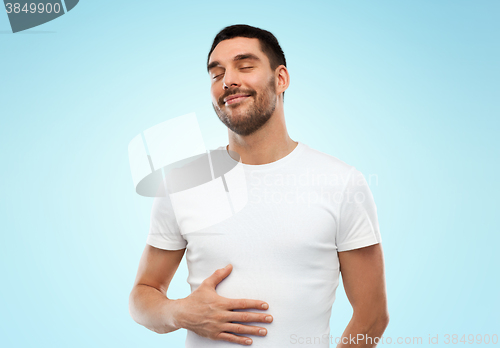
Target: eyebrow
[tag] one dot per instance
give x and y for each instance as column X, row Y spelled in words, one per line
column 236, row 58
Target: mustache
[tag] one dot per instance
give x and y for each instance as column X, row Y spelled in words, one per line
column 225, row 95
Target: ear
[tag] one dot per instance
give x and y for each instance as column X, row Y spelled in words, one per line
column 282, row 79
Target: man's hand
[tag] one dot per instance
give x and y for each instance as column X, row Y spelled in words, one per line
column 210, row 315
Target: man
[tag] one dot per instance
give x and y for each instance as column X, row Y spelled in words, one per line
column 267, row 276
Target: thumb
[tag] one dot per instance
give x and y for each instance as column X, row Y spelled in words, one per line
column 218, row 276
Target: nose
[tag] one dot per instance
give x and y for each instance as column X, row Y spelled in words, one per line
column 230, row 80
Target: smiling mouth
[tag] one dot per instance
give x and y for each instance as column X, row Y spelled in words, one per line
column 236, row 100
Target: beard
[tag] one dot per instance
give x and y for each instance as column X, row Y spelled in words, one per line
column 253, row 116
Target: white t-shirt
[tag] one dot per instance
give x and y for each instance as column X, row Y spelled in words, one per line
column 301, row 211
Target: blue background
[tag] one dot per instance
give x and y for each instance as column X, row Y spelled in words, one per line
column 406, row 91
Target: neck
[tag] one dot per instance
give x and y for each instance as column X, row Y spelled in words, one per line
column 268, row 144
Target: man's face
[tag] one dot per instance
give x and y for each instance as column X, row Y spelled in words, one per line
column 243, row 86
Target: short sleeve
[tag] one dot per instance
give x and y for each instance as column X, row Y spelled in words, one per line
column 358, row 222
column 164, row 232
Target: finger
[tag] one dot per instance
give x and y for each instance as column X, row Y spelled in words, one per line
column 225, row 336
column 249, row 317
column 245, row 303
column 218, row 276
column 242, row 329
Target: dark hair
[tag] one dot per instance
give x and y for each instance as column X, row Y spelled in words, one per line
column 268, row 42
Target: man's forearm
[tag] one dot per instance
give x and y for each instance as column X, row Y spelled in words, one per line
column 363, row 334
column 152, row 309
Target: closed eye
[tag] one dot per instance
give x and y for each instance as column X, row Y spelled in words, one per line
column 246, row 67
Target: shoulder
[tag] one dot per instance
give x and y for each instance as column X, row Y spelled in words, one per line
column 324, row 162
